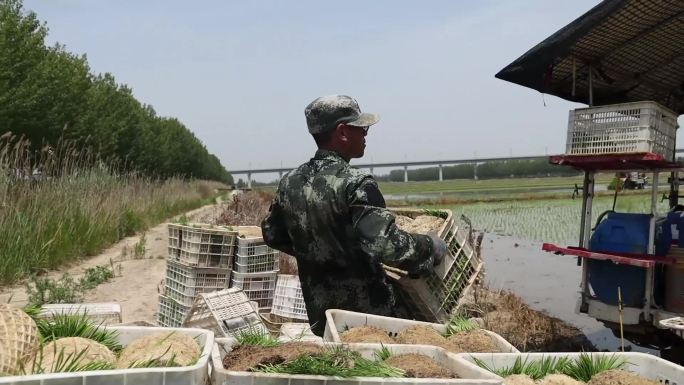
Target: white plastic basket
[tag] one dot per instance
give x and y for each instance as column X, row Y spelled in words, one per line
column 291, row 331
column 288, row 300
column 202, row 245
column 184, row 283
column 468, row 375
column 170, row 313
column 643, row 364
column 622, row 128
column 105, row 313
column 259, row 287
column 438, row 295
column 338, row 321
column 225, row 312
column 254, row 256
column 203, row 233
column 196, row 374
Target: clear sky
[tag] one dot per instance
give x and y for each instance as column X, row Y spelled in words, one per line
column 239, row 73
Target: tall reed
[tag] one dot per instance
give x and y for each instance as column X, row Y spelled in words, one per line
column 62, row 203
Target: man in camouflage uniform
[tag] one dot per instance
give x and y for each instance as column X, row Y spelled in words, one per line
column 332, row 218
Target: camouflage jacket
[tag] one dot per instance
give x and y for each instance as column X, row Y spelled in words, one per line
column 332, row 218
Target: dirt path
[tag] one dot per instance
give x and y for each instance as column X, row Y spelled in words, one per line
column 137, row 280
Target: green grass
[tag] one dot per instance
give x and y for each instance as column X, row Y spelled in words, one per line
column 79, row 212
column 42, row 290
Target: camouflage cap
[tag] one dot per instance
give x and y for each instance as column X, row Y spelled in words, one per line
column 326, row 112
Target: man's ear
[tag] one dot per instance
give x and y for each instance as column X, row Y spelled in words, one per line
column 342, row 132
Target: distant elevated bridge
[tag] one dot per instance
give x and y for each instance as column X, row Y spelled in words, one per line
column 405, row 164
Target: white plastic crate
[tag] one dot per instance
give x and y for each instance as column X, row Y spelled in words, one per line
column 203, row 233
column 225, row 312
column 184, row 283
column 645, row 365
column 291, row 331
column 338, row 321
column 467, row 374
column 199, row 259
column 170, row 313
column 104, row 313
column 622, row 128
column 196, row 374
column 259, row 287
column 202, row 245
column 254, row 256
column 288, row 300
column 435, row 297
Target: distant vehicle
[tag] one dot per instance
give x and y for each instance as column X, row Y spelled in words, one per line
column 634, row 181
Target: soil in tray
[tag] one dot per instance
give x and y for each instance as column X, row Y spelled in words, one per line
column 369, row 334
column 620, row 377
column 422, row 224
column 472, row 341
column 245, row 357
column 556, row 379
column 518, row 379
column 420, row 366
column 421, row 335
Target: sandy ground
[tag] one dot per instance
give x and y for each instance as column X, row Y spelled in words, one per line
column 137, row 280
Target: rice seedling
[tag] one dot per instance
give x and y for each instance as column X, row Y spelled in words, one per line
column 160, row 362
column 436, row 213
column 459, row 323
column 383, row 354
column 556, row 221
column 335, row 361
column 584, row 367
column 255, row 337
column 536, row 369
column 77, row 325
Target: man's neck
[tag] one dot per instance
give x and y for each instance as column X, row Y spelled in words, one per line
column 336, row 151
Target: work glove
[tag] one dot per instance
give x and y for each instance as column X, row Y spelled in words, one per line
column 439, row 248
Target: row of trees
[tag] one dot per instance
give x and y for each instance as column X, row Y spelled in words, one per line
column 48, row 94
column 487, row 170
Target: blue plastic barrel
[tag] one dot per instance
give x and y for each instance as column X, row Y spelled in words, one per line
column 628, row 233
column 605, row 277
column 624, row 233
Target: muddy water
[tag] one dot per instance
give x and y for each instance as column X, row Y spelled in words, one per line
column 546, row 282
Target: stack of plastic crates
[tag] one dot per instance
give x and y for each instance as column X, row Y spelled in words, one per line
column 288, row 300
column 225, row 312
column 199, row 261
column 255, row 269
column 435, row 297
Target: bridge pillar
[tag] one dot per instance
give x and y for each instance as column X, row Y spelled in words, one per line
column 249, row 180
column 405, row 173
column 441, row 175
column 371, row 171
column 280, row 174
column 475, row 171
